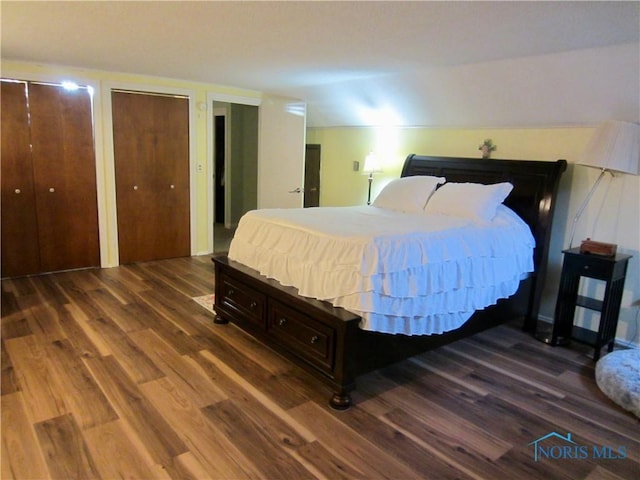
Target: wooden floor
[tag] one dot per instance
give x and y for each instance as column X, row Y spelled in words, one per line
column 117, row 373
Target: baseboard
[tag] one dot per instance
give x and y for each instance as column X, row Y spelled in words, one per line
column 627, row 344
column 618, row 341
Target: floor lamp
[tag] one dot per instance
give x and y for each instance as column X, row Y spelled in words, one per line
column 371, row 166
column 613, row 147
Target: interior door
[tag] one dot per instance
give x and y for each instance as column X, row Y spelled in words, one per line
column 20, row 248
column 281, row 153
column 151, row 156
column 312, row 176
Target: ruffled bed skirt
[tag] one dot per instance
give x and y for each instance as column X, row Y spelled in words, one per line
column 400, row 273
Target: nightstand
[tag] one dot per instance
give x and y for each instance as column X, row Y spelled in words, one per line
column 611, row 270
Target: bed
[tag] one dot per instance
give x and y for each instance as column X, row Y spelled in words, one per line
column 337, row 344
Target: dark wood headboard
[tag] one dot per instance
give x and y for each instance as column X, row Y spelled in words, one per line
column 533, row 198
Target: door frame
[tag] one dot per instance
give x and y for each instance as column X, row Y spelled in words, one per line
column 227, row 98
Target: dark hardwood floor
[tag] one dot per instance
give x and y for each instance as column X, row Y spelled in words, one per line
column 117, row 373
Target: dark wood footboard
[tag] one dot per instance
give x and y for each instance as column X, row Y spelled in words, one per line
column 314, row 334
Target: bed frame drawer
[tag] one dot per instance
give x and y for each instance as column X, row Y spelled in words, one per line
column 244, row 302
column 314, row 334
column 302, row 335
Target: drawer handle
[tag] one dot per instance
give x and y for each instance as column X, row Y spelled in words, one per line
column 315, row 339
column 230, row 292
column 586, row 267
column 282, row 321
column 253, row 304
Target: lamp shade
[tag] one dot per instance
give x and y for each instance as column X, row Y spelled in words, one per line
column 614, row 146
column 371, row 164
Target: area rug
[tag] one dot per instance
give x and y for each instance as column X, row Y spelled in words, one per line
column 618, row 376
column 206, row 301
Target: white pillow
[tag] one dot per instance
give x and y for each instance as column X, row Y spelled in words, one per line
column 468, row 200
column 407, row 194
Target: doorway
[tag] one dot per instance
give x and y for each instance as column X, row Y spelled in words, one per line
column 312, row 176
column 219, row 159
column 235, row 168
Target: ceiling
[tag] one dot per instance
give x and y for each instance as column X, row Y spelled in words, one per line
column 330, row 54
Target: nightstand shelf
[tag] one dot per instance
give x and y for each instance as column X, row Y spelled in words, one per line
column 590, row 303
column 584, row 335
column 611, row 270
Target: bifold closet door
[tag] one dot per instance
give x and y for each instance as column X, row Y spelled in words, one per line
column 151, row 154
column 65, row 177
column 49, row 203
column 20, row 249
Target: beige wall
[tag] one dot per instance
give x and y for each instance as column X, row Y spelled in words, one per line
column 612, row 214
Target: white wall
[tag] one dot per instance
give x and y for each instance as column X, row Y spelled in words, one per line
column 581, row 87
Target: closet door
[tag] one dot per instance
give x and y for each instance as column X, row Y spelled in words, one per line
column 20, row 249
column 151, row 154
column 64, row 177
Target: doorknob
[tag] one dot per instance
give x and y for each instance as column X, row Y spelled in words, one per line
column 297, row 190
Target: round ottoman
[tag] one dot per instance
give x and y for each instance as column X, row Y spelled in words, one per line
column 618, row 376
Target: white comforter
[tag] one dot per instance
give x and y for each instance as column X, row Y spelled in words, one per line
column 404, row 273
